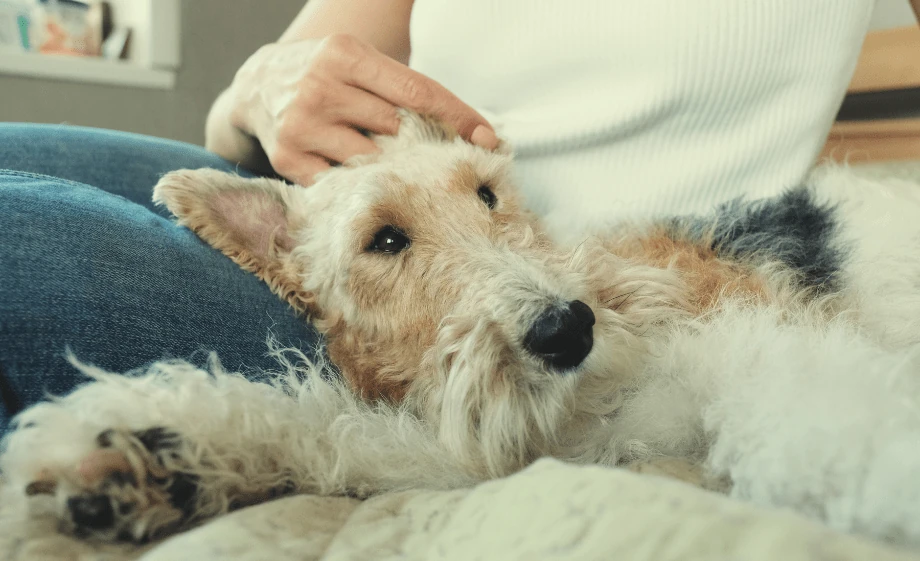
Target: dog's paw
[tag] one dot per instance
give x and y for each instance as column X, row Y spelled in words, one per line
column 133, row 487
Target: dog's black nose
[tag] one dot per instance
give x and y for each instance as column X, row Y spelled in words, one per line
column 91, row 511
column 562, row 336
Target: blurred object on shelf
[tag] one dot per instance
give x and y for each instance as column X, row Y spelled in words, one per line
column 117, row 44
column 15, row 17
column 68, row 27
column 62, row 27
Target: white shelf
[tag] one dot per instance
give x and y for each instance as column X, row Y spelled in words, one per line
column 85, row 69
column 154, row 51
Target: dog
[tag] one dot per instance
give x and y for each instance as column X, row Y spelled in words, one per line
column 765, row 350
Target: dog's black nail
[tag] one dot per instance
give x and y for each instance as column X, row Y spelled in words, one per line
column 91, row 511
column 158, row 438
column 125, row 509
column 104, row 438
column 41, row 488
column 183, row 492
column 120, row 478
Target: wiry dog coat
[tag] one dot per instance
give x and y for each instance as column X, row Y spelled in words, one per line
column 766, row 349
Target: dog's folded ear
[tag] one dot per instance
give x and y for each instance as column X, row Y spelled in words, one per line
column 252, row 221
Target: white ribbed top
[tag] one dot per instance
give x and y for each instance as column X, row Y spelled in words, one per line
column 624, row 107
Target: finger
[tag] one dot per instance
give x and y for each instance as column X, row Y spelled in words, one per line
column 485, row 137
column 337, row 144
column 306, row 173
column 404, row 87
column 363, row 110
column 299, row 167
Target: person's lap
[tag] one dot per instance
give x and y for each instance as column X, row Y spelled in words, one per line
column 120, row 286
column 117, row 162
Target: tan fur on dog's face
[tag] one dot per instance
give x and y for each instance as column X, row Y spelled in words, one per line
column 394, row 304
column 439, row 325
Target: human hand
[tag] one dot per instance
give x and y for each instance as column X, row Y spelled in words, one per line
column 307, row 103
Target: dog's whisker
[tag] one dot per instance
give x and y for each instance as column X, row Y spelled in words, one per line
column 626, row 299
column 624, row 296
column 616, row 297
column 574, row 252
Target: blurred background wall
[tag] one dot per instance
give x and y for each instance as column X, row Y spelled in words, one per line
column 892, row 13
column 217, row 36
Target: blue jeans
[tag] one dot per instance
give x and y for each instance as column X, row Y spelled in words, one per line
column 87, row 263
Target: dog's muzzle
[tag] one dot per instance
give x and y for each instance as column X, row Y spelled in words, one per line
column 562, row 336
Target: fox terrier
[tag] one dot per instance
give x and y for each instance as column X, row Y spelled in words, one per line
column 765, row 350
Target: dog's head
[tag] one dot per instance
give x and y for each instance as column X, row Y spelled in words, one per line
column 435, row 288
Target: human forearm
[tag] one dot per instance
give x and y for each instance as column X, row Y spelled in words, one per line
column 383, row 24
column 229, row 141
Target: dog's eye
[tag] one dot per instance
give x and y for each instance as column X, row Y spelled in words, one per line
column 389, row 240
column 487, row 197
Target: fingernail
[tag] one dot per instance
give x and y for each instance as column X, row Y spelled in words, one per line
column 484, row 137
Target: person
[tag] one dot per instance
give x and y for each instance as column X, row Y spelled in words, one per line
column 612, row 107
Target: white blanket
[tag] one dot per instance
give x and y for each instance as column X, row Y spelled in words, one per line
column 549, row 511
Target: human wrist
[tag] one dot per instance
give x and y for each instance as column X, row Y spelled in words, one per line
column 241, row 99
column 232, row 127
column 226, row 139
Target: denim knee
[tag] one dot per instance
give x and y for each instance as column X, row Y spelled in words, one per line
column 119, row 286
column 123, row 163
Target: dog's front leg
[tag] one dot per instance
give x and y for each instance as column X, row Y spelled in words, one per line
column 135, row 458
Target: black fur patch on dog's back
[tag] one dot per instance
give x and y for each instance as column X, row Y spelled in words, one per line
column 792, row 228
